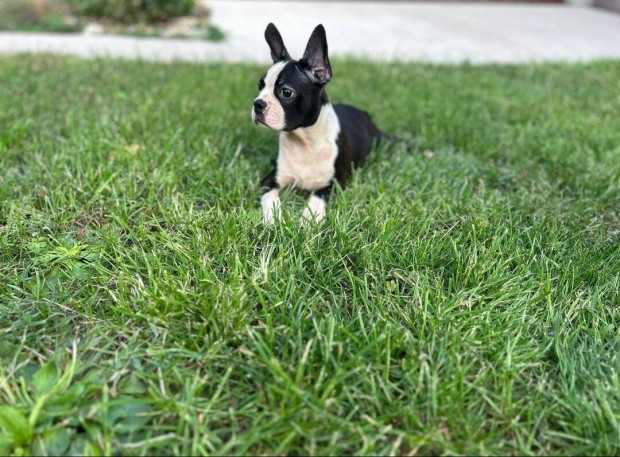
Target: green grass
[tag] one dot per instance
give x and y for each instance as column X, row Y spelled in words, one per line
column 462, row 296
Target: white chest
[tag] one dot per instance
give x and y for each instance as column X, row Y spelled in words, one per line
column 308, row 169
column 307, row 156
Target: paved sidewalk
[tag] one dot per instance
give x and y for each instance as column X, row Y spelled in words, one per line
column 431, row 32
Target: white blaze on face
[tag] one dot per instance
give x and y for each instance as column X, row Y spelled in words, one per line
column 274, row 113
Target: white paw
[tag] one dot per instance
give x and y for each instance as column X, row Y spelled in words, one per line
column 270, row 202
column 268, row 218
column 315, row 211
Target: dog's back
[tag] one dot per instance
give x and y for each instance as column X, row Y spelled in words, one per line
column 357, row 136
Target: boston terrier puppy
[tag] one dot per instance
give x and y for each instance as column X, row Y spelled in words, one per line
column 320, row 143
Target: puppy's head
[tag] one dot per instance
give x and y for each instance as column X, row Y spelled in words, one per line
column 291, row 92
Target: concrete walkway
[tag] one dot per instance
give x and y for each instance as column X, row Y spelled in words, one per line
column 431, row 32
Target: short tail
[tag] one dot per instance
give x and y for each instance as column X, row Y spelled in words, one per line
column 390, row 140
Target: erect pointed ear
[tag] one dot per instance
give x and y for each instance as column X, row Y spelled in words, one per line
column 274, row 40
column 316, row 58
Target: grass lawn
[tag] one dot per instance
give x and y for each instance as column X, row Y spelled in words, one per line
column 462, row 296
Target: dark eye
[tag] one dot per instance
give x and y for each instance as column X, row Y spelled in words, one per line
column 287, row 93
column 261, row 84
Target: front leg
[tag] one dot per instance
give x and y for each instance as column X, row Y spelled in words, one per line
column 270, row 198
column 315, row 211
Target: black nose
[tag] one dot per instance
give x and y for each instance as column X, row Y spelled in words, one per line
column 259, row 105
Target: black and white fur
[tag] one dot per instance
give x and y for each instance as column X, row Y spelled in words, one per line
column 320, row 143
